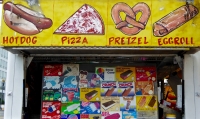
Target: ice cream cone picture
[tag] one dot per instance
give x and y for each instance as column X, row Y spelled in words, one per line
column 100, row 72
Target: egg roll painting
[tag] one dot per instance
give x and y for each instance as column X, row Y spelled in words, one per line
column 174, row 20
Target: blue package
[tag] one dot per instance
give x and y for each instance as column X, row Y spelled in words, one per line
column 129, row 115
column 70, row 116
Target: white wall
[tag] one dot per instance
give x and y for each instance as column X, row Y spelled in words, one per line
column 192, row 85
column 14, row 87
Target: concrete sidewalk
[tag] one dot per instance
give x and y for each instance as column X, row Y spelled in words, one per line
column 1, row 114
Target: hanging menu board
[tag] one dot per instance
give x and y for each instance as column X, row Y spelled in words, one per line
column 70, row 92
column 119, row 23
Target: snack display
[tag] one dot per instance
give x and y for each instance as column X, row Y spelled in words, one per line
column 84, row 95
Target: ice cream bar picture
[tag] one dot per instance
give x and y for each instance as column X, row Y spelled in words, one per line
column 142, row 101
column 152, row 101
column 108, row 104
column 147, row 88
column 91, row 94
column 109, row 91
column 126, row 74
column 126, row 91
column 96, row 117
column 113, row 116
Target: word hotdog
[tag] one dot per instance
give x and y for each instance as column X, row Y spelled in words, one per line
column 130, row 26
column 24, row 20
column 174, row 20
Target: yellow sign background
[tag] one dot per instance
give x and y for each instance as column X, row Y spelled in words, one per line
column 60, row 10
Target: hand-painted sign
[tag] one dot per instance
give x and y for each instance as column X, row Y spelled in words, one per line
column 150, row 23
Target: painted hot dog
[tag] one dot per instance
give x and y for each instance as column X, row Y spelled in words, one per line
column 174, row 20
column 24, row 20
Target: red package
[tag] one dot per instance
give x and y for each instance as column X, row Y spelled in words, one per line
column 51, row 110
column 113, row 116
column 53, row 70
column 145, row 73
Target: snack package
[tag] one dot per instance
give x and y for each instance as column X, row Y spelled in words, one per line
column 111, row 115
column 51, row 95
column 70, row 116
column 128, row 103
column 88, row 80
column 126, row 89
column 90, row 107
column 125, row 73
column 94, row 80
column 70, row 90
column 144, row 87
column 90, row 94
column 70, row 108
column 70, row 70
column 146, row 102
column 53, row 70
column 110, row 104
column 105, row 73
column 51, row 109
column 146, row 73
column 51, row 82
column 129, row 115
column 147, row 114
column 90, row 116
column 108, row 88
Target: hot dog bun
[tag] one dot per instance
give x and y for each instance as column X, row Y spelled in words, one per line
column 24, row 20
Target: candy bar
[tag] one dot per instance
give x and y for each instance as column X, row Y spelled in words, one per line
column 91, row 94
column 152, row 101
column 126, row 74
column 126, row 91
column 147, row 88
column 109, row 91
column 142, row 101
column 108, row 104
column 113, row 116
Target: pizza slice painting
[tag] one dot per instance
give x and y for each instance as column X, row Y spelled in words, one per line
column 86, row 20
